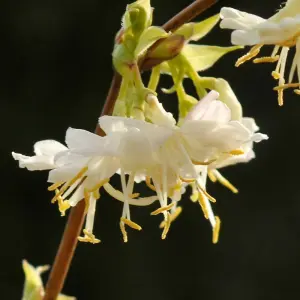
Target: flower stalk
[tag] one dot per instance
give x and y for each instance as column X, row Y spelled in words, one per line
column 74, row 224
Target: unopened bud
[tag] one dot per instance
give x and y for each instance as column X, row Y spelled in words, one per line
column 164, row 49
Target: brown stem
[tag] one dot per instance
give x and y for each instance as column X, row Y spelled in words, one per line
column 74, row 224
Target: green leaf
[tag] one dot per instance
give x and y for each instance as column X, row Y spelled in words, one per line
column 196, row 31
column 203, row 57
column 148, row 38
column 33, row 287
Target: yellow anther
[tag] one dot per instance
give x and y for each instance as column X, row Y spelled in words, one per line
column 202, row 163
column 212, row 176
column 96, row 194
column 297, row 92
column 187, row 180
column 124, row 233
column 280, row 97
column 203, row 205
column 54, row 186
column 173, row 217
column 276, row 75
column 286, row 86
column 149, row 184
column 167, row 226
column 86, row 200
column 88, row 237
column 99, row 185
column 237, row 152
column 62, row 205
column 266, row 59
column 216, row 230
column 194, row 196
column 162, row 209
column 72, row 181
column 252, row 53
column 225, row 182
column 135, row 195
column 131, row 224
column 210, row 198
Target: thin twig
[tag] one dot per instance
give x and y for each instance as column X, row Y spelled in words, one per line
column 74, row 224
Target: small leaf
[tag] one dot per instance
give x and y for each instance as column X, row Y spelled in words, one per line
column 196, row 31
column 203, row 57
column 148, row 38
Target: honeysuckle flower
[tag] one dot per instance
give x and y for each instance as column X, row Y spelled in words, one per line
column 282, row 30
column 206, row 134
column 81, row 169
column 228, row 160
column 33, row 287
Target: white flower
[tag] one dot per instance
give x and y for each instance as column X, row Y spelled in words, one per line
column 79, row 171
column 228, row 160
column 207, row 133
column 281, row 30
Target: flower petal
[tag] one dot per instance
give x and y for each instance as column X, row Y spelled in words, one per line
column 48, row 147
column 34, row 163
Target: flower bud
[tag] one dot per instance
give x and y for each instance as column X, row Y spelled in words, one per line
column 164, row 49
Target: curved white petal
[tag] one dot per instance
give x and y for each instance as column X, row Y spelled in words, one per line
column 64, row 173
column 48, row 148
column 34, row 163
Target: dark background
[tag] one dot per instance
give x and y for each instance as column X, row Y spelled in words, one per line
column 55, row 68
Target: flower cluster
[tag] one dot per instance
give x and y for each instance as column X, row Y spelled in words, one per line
column 282, row 30
column 143, row 143
column 166, row 156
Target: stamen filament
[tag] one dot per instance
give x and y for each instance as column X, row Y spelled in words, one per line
column 216, row 230
column 173, row 217
column 266, row 59
column 252, row 53
column 167, row 226
column 72, row 181
column 131, row 224
column 54, row 186
column 162, row 209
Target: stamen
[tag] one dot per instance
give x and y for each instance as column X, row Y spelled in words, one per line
column 286, row 86
column 173, row 216
column 135, row 195
column 216, row 230
column 212, row 176
column 252, row 53
column 225, row 182
column 162, row 209
column 203, row 205
column 167, row 226
column 72, row 181
column 201, row 163
column 211, row 198
column 54, row 186
column 237, row 152
column 275, row 75
column 124, row 233
column 131, row 224
column 62, row 205
column 96, row 194
column 99, row 185
column 187, row 180
column 194, row 195
column 86, row 200
column 266, row 59
column 149, row 184
column 297, row 92
column 88, row 237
